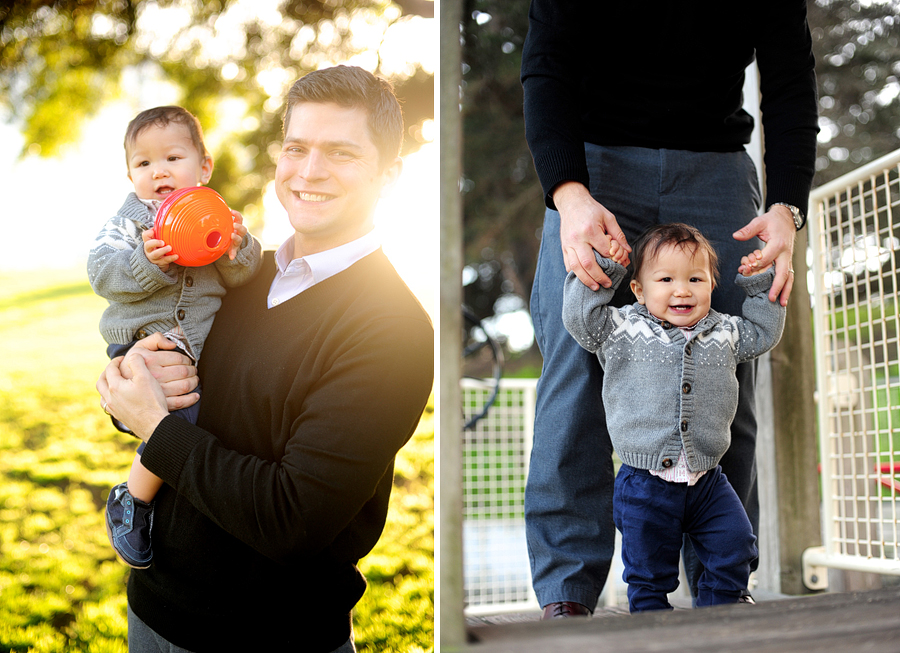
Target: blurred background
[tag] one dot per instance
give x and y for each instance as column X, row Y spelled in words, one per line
column 73, row 73
column 857, row 49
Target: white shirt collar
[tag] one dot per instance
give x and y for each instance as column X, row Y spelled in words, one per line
column 294, row 275
column 331, row 261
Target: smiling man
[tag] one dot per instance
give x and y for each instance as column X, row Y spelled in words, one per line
column 314, row 375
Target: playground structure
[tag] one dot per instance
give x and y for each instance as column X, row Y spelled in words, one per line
column 854, row 248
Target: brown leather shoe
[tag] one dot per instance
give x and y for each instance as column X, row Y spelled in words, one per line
column 565, row 610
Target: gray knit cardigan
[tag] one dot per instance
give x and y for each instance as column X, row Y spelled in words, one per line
column 662, row 390
column 142, row 298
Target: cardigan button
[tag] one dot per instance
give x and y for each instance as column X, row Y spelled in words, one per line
column 684, row 425
column 141, row 334
column 687, row 350
column 189, row 281
column 666, row 325
column 686, row 388
column 667, row 462
column 180, row 314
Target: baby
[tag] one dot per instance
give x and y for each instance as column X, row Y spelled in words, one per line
column 149, row 292
column 670, row 394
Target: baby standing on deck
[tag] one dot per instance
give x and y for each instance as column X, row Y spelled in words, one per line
column 670, row 394
column 149, row 292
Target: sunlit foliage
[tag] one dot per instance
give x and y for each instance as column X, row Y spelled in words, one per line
column 61, row 60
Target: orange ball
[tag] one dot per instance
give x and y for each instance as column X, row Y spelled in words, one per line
column 197, row 223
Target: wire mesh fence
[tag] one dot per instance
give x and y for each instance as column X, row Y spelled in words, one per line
column 855, row 246
column 496, row 452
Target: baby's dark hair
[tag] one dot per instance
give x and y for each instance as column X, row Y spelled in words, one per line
column 161, row 117
column 676, row 234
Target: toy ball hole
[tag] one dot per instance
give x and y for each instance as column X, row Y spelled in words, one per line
column 213, row 239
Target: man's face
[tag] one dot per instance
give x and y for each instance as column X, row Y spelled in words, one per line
column 329, row 177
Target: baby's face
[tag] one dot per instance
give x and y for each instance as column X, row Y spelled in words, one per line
column 164, row 159
column 676, row 286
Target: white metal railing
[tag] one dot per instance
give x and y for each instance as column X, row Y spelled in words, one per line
column 496, row 455
column 854, row 235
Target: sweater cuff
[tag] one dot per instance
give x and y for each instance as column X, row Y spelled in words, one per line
column 790, row 189
column 147, row 274
column 169, row 447
column 613, row 270
column 756, row 284
column 558, row 166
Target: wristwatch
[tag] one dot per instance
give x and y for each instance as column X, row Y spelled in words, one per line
column 795, row 213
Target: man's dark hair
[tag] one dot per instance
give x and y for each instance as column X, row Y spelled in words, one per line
column 676, row 234
column 161, row 117
column 352, row 87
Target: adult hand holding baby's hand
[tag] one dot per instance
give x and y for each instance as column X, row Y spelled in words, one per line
column 157, row 251
column 752, row 264
column 618, row 253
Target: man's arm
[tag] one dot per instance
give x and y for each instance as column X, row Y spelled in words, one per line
column 552, row 61
column 140, row 389
column 790, row 124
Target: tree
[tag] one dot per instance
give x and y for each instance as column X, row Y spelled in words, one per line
column 502, row 199
column 60, row 60
column 857, row 47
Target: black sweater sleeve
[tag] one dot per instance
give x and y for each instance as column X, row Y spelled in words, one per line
column 552, row 74
column 789, row 105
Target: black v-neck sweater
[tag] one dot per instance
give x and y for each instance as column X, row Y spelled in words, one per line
column 281, row 487
column 669, row 75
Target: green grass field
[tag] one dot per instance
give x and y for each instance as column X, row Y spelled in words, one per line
column 61, row 587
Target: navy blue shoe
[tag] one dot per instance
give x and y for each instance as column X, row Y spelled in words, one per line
column 128, row 524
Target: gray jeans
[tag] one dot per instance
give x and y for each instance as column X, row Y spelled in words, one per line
column 143, row 639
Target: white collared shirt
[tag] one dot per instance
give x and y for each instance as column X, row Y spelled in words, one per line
column 294, row 275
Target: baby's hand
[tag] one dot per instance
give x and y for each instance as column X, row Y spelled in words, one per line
column 237, row 236
column 157, row 251
column 750, row 264
column 618, row 253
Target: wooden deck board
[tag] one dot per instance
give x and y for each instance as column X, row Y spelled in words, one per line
column 829, row 623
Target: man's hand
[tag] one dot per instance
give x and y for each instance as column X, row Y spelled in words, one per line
column 174, row 374
column 173, row 370
column 137, row 402
column 776, row 229
column 585, row 226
